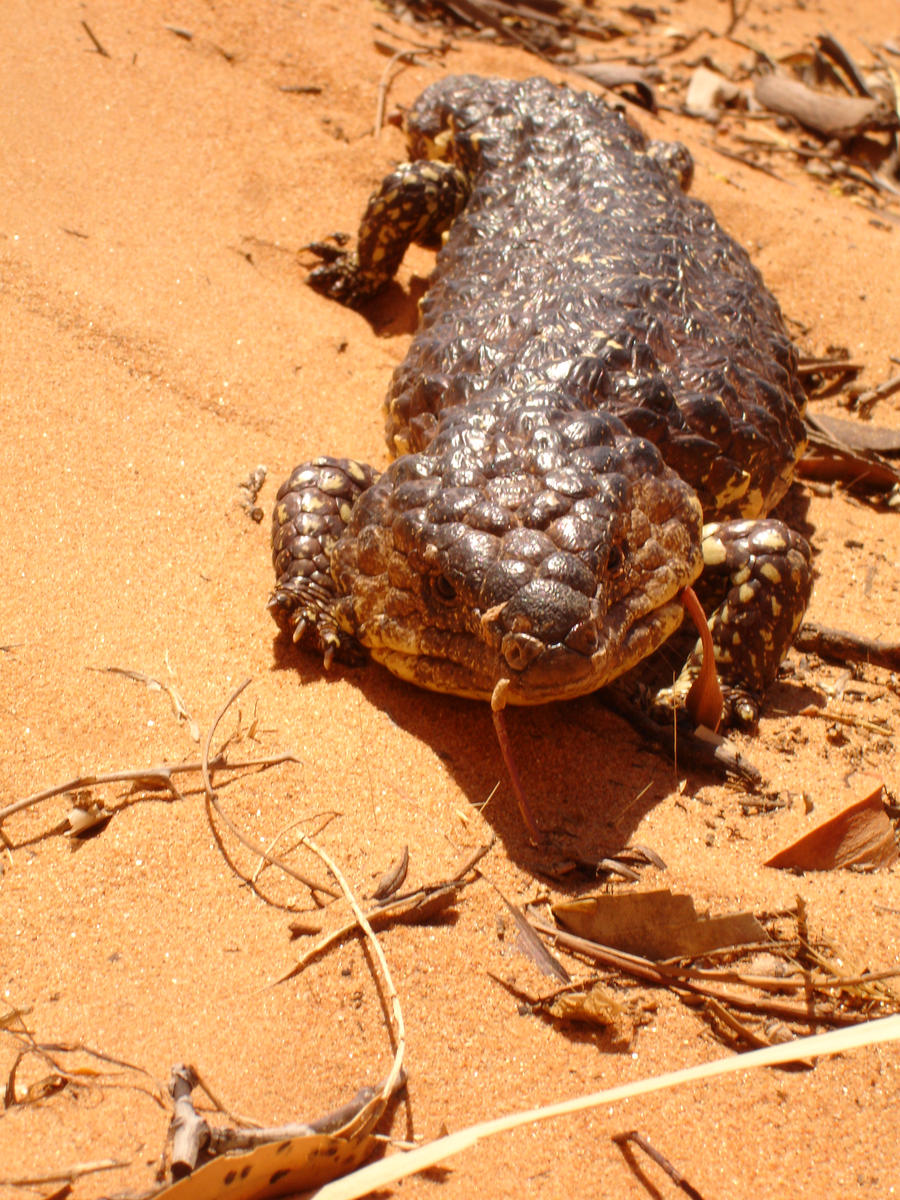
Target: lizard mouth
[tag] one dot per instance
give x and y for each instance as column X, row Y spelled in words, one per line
column 462, row 665
column 455, row 608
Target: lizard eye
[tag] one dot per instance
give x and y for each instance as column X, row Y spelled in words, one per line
column 444, row 589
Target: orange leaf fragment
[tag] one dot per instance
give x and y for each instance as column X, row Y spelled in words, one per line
column 859, row 835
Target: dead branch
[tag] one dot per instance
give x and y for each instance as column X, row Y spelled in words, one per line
column 847, row 647
column 212, row 801
column 157, row 776
column 829, row 115
column 190, row 1132
column 664, row 975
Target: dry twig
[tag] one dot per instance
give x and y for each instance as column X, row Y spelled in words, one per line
column 212, row 801
column 160, row 775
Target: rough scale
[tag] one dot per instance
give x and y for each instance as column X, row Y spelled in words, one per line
column 599, row 370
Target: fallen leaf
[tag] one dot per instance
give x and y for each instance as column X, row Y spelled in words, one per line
column 655, row 924
column 596, row 1006
column 857, row 435
column 859, row 835
column 393, row 878
column 532, row 946
column 275, row 1169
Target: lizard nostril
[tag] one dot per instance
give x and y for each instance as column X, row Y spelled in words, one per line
column 519, row 649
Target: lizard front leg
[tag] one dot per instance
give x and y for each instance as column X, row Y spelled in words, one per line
column 417, row 202
column 311, row 511
column 766, row 570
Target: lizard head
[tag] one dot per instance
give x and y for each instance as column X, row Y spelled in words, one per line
column 539, row 548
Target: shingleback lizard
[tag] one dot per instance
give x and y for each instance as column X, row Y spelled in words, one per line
column 600, row 402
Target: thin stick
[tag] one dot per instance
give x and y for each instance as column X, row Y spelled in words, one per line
column 325, row 822
column 391, row 1082
column 212, row 800
column 421, row 904
column 847, row 647
column 98, row 46
column 65, row 1176
column 161, row 775
column 661, row 1161
column 405, row 56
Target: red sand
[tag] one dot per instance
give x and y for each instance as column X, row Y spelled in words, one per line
column 158, row 343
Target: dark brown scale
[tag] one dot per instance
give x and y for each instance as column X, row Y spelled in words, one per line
column 595, row 356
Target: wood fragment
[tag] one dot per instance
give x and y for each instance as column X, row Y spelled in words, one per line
column 394, row 878
column 251, row 487
column 829, row 115
column 866, row 400
column 190, row 1132
column 828, row 366
column 842, row 646
column 708, row 93
column 638, row 1138
column 98, row 46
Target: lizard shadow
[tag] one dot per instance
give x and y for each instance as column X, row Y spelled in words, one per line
column 588, row 776
column 395, row 310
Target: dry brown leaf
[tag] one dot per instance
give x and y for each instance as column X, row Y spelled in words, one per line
column 597, row 1006
column 656, row 924
column 860, row 436
column 859, row 835
column 532, row 946
column 276, row 1169
column 394, row 878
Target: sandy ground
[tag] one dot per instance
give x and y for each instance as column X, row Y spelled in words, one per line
column 158, row 343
